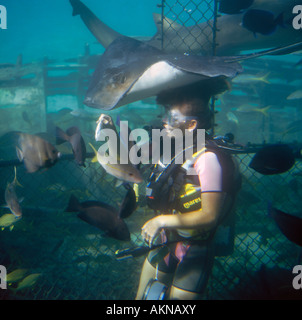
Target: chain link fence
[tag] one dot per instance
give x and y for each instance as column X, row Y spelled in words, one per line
column 75, row 260
column 190, row 25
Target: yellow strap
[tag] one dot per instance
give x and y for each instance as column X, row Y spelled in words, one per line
column 198, row 153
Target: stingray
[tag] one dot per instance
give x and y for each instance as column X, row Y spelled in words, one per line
column 131, row 70
column 231, row 36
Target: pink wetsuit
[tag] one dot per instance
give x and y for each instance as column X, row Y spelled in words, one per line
column 209, row 171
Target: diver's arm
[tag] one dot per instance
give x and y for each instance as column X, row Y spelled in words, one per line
column 209, row 172
column 207, row 217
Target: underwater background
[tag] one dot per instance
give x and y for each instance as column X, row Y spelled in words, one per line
column 46, row 57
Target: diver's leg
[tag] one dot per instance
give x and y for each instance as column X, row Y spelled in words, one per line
column 181, row 294
column 192, row 273
column 149, row 272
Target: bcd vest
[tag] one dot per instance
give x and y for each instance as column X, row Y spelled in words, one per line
column 171, row 188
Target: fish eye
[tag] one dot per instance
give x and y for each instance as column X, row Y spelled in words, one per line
column 130, row 174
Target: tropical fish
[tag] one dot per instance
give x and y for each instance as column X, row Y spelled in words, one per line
column 261, row 21
column 8, row 220
column 248, row 78
column 36, row 152
column 74, row 137
column 129, row 204
column 85, row 115
column 251, row 108
column 100, row 215
column 295, row 95
column 11, row 198
column 290, row 226
column 230, row 35
column 29, row 281
column 116, row 147
column 234, row 6
column 125, row 172
column 273, row 159
column 104, row 122
column 16, row 275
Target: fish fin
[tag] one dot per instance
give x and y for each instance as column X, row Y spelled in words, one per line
column 73, row 130
column 2, row 228
column 11, row 228
column 19, row 154
column 135, row 188
column 73, row 204
column 93, row 148
column 61, row 136
column 118, row 183
column 264, row 78
column 95, row 158
column 168, row 24
column 30, row 167
column 16, row 182
column 264, row 111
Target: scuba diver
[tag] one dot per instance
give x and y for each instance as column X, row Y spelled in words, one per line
column 188, row 220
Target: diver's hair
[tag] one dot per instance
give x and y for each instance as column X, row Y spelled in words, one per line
column 197, row 96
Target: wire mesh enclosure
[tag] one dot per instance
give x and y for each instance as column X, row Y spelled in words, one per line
column 74, row 260
column 190, row 25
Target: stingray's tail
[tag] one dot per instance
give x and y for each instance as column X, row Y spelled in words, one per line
column 275, row 51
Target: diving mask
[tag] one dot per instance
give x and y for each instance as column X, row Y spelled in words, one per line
column 175, row 119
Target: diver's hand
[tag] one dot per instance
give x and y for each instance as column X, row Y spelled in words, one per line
column 151, row 229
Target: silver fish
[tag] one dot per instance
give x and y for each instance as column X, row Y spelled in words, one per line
column 116, row 147
column 36, row 152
